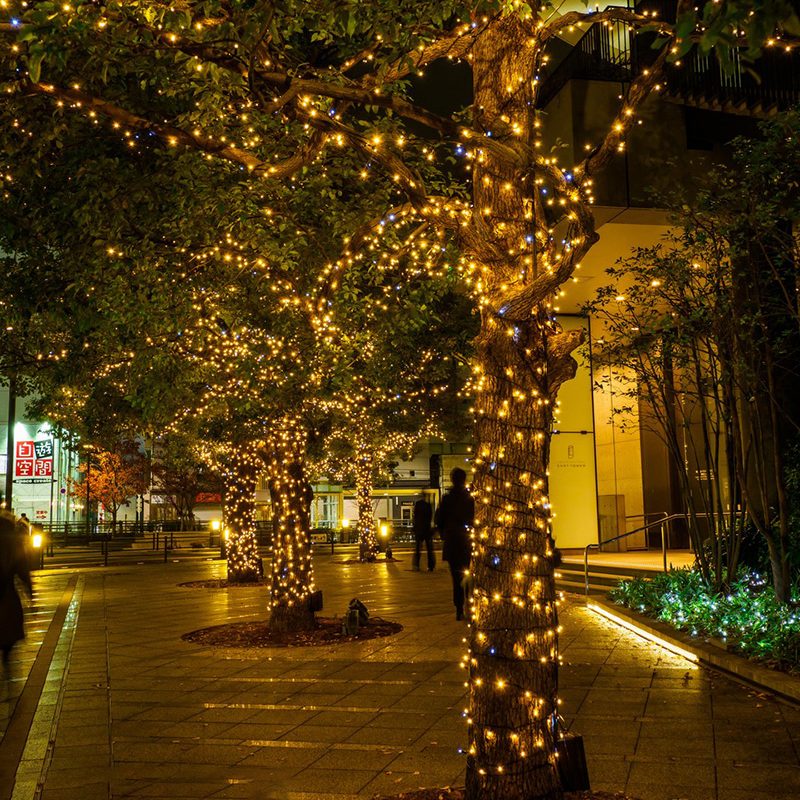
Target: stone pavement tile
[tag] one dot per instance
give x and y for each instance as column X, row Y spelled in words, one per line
column 604, row 728
column 224, row 714
column 89, row 791
column 385, row 736
column 375, row 760
column 607, row 771
column 282, row 716
column 689, row 729
column 249, row 731
column 176, row 788
column 411, row 720
column 346, row 717
column 744, row 730
column 192, row 729
column 755, row 751
column 757, row 778
column 417, row 701
column 392, row 782
column 752, row 794
column 699, row 773
column 289, row 759
column 619, row 745
column 309, row 732
column 619, row 682
column 368, row 698
column 76, row 777
column 83, row 719
column 326, row 780
column 86, row 735
column 671, row 791
column 138, row 729
column 675, row 747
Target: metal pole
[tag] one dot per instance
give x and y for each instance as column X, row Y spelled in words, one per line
column 586, row 570
column 88, row 474
column 12, row 414
column 664, row 544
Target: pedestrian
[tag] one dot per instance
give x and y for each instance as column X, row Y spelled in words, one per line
column 13, row 563
column 423, row 532
column 454, row 519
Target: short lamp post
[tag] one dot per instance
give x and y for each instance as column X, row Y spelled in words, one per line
column 385, row 535
column 215, row 526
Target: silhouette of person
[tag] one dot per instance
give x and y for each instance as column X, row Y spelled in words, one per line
column 454, row 518
column 13, row 563
column 421, row 521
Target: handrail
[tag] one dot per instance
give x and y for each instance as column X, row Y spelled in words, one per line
column 659, row 522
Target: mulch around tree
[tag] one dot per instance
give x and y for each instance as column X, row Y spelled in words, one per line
column 222, row 583
column 459, row 794
column 257, row 634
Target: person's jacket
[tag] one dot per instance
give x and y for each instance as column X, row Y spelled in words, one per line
column 423, row 513
column 453, row 519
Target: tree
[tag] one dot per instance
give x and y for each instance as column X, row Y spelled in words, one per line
column 708, row 326
column 180, row 475
column 274, row 90
column 111, row 477
column 403, row 337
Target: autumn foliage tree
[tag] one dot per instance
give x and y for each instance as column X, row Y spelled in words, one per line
column 112, row 477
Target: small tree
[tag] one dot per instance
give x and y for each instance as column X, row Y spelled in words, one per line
column 708, row 326
column 111, row 477
column 180, row 475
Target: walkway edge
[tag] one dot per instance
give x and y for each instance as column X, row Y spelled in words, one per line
column 711, row 655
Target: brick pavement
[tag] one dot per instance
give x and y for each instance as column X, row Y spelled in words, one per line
column 128, row 709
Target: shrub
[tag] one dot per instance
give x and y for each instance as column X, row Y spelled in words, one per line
column 748, row 618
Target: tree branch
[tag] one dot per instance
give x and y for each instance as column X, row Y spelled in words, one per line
column 195, row 141
column 637, row 93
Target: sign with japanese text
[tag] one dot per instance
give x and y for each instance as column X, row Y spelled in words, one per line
column 33, row 461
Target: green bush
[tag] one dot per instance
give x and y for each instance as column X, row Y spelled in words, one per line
column 747, row 618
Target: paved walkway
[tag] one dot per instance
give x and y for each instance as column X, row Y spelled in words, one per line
column 110, row 702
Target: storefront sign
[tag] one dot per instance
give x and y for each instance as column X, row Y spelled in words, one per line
column 33, row 461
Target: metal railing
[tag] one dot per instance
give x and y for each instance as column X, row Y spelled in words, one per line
column 662, row 523
column 611, row 52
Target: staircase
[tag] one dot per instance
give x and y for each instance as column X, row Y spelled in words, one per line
column 610, row 52
column 602, row 577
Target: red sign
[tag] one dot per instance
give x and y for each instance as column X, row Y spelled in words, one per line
column 33, row 462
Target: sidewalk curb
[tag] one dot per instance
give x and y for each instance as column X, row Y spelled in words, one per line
column 709, row 654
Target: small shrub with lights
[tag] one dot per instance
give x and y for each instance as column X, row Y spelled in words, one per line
column 747, row 618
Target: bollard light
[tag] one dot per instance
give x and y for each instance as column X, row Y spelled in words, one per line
column 37, row 540
column 215, row 524
column 384, row 531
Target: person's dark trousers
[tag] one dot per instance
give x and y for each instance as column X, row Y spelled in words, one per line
column 431, row 556
column 457, row 569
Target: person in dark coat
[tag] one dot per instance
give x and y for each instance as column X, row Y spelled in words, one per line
column 454, row 519
column 423, row 532
column 13, row 563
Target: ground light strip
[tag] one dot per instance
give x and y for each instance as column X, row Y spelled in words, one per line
column 651, row 637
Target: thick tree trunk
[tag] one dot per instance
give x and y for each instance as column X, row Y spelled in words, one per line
column 239, row 511
column 292, row 580
column 513, row 659
column 522, row 360
column 367, row 538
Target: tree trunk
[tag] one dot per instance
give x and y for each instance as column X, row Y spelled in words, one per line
column 292, row 580
column 523, row 357
column 367, row 539
column 240, row 517
column 513, row 658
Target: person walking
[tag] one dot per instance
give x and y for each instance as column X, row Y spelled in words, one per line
column 13, row 563
column 421, row 521
column 453, row 519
